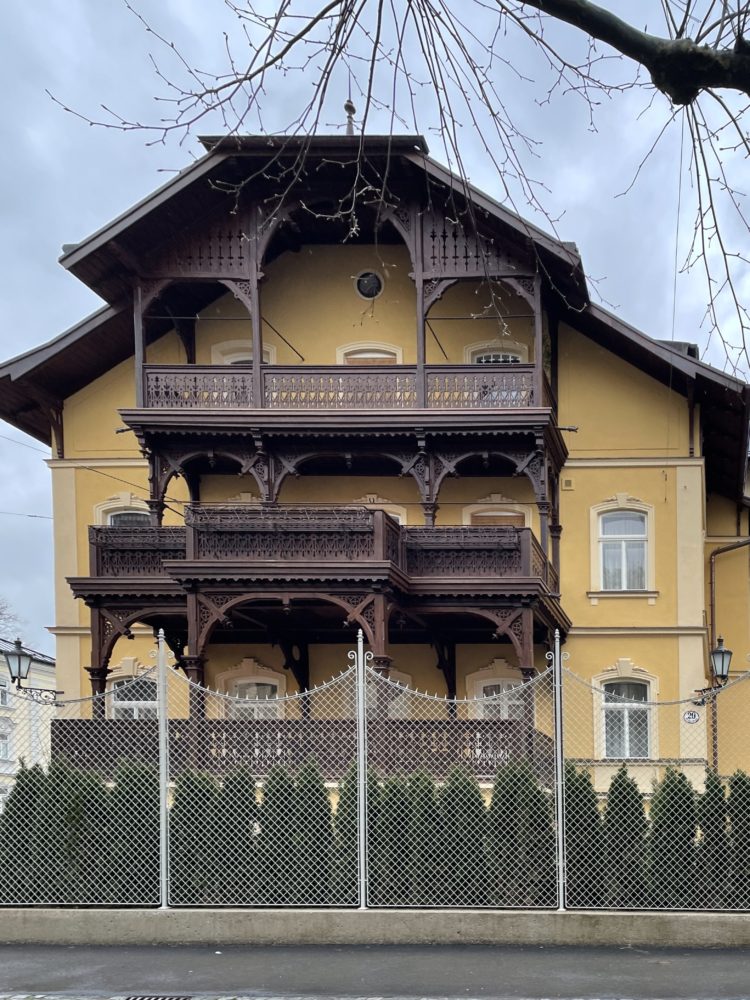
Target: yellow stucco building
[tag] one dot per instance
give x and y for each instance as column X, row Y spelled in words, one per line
column 294, row 418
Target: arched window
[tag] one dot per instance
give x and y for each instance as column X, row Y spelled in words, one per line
column 506, row 699
column 623, row 537
column 369, row 352
column 496, row 352
column 128, row 518
column 626, row 720
column 254, row 689
column 240, row 352
column 122, row 510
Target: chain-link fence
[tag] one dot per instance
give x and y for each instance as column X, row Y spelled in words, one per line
column 657, row 810
column 363, row 792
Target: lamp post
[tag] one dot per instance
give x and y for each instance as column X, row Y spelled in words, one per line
column 720, row 658
column 19, row 663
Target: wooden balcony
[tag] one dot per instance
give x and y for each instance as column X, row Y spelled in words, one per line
column 293, row 535
column 339, row 387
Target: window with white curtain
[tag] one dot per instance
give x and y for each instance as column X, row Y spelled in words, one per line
column 3, row 693
column 622, row 548
column 134, row 699
column 4, row 746
column 508, row 699
column 251, row 700
column 627, row 723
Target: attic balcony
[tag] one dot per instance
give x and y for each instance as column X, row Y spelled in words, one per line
column 347, row 387
column 236, row 542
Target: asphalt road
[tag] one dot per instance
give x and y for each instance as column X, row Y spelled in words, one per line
column 377, row 971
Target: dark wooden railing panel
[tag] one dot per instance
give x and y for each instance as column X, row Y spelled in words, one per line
column 340, row 387
column 470, row 387
column 134, row 551
column 205, row 387
column 343, row 387
column 247, row 533
column 219, row 746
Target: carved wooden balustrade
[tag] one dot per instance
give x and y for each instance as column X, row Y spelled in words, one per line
column 339, row 387
column 246, row 533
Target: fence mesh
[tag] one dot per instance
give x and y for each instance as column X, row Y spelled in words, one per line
column 80, row 820
column 263, row 805
column 460, row 797
column 263, row 810
column 657, row 813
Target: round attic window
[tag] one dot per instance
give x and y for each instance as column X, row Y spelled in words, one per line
column 369, row 284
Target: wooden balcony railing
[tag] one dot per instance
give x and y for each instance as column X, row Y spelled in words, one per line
column 246, row 533
column 339, row 387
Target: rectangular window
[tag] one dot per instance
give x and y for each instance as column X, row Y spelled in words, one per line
column 622, row 545
column 3, row 694
column 626, row 720
column 4, row 747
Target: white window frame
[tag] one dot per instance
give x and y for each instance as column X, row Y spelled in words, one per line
column 235, row 352
column 116, row 706
column 378, row 348
column 626, row 671
column 6, row 749
column 626, row 710
column 622, row 503
column 497, row 346
column 4, row 689
column 622, row 542
column 498, row 673
column 251, row 671
column 120, row 503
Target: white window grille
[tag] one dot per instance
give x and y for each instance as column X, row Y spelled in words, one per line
column 497, row 358
column 134, row 699
column 626, row 720
column 129, row 518
column 3, row 694
column 260, row 697
column 508, row 699
column 4, row 746
column 622, row 547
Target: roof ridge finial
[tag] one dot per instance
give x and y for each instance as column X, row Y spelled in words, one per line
column 349, row 109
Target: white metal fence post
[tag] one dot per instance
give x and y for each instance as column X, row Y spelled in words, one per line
column 161, row 702
column 361, row 771
column 557, row 681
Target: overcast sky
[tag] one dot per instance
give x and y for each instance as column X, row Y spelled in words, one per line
column 62, row 179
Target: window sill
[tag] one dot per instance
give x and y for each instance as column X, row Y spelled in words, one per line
column 597, row 595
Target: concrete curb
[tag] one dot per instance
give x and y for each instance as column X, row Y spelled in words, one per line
column 28, row 925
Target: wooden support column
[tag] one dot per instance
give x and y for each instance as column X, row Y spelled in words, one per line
column 555, row 531
column 526, row 663
column 255, row 313
column 419, row 283
column 98, row 677
column 538, row 343
column 446, row 663
column 297, row 660
column 381, row 661
column 195, row 668
column 139, row 342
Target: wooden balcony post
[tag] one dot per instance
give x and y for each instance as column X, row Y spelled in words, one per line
column 538, row 343
column 379, row 539
column 194, row 667
column 524, row 538
column 555, row 531
column 139, row 350
column 98, row 677
column 419, row 283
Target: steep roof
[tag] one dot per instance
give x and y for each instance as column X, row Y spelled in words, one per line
column 35, row 381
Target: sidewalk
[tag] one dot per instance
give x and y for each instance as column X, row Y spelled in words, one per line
column 373, row 972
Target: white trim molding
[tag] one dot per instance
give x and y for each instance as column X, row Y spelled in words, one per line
column 230, row 352
column 119, row 503
column 392, row 350
column 502, row 345
column 623, row 502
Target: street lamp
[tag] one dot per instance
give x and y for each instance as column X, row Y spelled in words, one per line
column 720, row 661
column 19, row 663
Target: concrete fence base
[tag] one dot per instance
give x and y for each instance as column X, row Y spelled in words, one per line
column 360, row 927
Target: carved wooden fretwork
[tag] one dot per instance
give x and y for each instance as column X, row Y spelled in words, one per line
column 342, row 389
column 453, row 249
column 216, row 249
column 434, row 289
column 141, row 551
column 481, row 388
column 199, row 386
column 525, row 287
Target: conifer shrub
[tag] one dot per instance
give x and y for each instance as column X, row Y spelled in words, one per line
column 674, row 827
column 22, row 877
column 463, row 862
column 520, row 841
column 426, row 841
column 584, row 841
column 133, row 835
column 712, row 849
column 391, row 856
column 235, row 853
column 625, row 829
column 738, row 807
column 193, row 875
column 315, row 851
column 278, row 841
column 345, row 847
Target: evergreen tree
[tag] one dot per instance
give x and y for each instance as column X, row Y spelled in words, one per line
column 712, row 852
column 674, row 825
column 193, row 876
column 134, row 835
column 345, row 827
column 72, row 839
column 584, row 841
column 22, row 879
column 463, row 815
column 391, row 854
column 426, row 840
column 625, row 828
column 279, row 872
column 520, row 841
column 738, row 807
column 235, row 839
column 316, row 844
